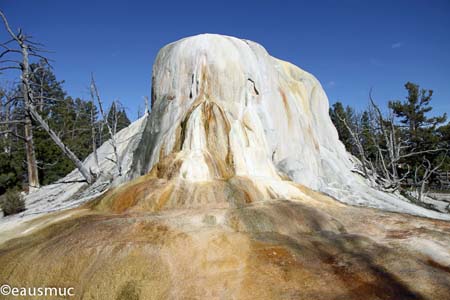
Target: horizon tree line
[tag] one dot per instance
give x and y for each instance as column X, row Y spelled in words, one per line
column 400, row 148
column 39, row 121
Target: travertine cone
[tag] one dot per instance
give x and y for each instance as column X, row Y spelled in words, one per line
column 226, row 107
column 227, row 121
column 228, row 124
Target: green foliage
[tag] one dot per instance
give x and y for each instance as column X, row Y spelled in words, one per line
column 367, row 135
column 69, row 118
column 117, row 112
column 12, row 151
column 420, row 130
column 409, row 125
column 443, row 137
column 11, row 167
column 412, row 113
column 117, row 119
column 12, row 203
column 338, row 113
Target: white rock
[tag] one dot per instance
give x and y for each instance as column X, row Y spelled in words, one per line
column 69, row 191
column 224, row 107
column 276, row 114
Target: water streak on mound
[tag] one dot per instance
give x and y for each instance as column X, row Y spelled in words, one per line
column 216, row 201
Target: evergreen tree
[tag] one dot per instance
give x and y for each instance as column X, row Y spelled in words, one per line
column 12, row 165
column 47, row 90
column 117, row 118
column 419, row 128
column 51, row 104
column 69, row 118
column 337, row 114
column 12, row 150
column 407, row 148
column 72, row 120
column 117, row 114
column 443, row 135
column 368, row 136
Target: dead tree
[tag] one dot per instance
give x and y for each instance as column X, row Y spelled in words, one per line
column 27, row 49
column 111, row 127
column 390, row 150
column 139, row 111
column 147, row 110
column 393, row 151
column 421, row 182
column 389, row 155
column 94, row 134
column 8, row 125
column 444, row 179
column 366, row 164
column 5, row 119
column 21, row 39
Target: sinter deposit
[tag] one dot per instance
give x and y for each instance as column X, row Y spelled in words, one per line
column 225, row 195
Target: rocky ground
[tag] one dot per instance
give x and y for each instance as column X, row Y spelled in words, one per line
column 216, row 199
column 310, row 248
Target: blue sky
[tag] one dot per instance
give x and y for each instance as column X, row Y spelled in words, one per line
column 350, row 46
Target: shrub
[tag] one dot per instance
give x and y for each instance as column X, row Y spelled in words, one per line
column 12, row 203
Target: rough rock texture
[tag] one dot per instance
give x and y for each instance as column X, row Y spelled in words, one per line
column 223, row 107
column 311, row 248
column 70, row 191
column 217, row 202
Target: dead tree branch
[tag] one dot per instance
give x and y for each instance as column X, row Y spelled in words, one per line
column 27, row 49
column 112, row 139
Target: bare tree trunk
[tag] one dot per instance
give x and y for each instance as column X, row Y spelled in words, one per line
column 4, row 119
column 390, row 144
column 74, row 125
column 100, row 131
column 422, row 191
column 420, row 183
column 30, row 111
column 116, row 118
column 33, row 177
column 7, row 119
column 93, row 134
column 428, row 171
column 41, row 99
column 85, row 172
column 364, row 161
column 117, row 161
column 147, row 111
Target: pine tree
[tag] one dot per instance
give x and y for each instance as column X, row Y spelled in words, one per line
column 421, row 133
column 443, row 135
column 117, row 114
column 368, row 136
column 69, row 118
column 419, row 128
column 12, row 150
column 117, row 119
column 337, row 114
column 54, row 108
